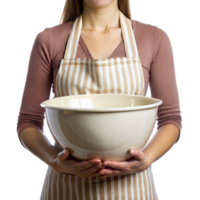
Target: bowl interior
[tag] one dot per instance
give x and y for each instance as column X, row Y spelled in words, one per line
column 100, row 101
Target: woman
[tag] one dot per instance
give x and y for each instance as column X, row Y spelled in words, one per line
column 143, row 51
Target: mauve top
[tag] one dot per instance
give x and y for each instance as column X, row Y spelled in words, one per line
column 155, row 52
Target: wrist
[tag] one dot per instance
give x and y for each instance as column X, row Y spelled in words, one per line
column 148, row 157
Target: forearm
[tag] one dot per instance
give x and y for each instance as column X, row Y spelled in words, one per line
column 38, row 144
column 162, row 141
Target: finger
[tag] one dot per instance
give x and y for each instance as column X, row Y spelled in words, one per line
column 110, row 172
column 87, row 164
column 116, row 165
column 139, row 155
column 92, row 170
column 63, row 155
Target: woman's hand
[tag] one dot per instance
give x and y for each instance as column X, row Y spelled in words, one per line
column 138, row 163
column 66, row 164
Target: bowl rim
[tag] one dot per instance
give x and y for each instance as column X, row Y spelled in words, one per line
column 159, row 102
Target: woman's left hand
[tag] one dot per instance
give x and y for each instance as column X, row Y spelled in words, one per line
column 139, row 162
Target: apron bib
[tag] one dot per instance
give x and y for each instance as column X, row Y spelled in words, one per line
column 121, row 75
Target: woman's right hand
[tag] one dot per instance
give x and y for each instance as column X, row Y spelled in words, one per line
column 66, row 164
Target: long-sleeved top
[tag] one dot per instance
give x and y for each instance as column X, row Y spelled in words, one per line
column 155, row 52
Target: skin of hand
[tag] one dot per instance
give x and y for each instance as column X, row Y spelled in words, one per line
column 137, row 163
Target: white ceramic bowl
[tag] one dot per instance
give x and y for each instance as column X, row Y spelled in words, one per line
column 103, row 126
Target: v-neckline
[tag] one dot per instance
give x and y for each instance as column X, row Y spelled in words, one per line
column 85, row 48
column 89, row 55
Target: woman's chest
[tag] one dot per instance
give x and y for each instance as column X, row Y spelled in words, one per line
column 101, row 46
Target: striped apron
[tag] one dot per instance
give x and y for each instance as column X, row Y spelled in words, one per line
column 121, row 75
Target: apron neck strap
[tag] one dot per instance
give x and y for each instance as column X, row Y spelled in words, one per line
column 127, row 33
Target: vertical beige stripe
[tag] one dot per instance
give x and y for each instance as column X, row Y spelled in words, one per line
column 57, row 186
column 111, row 80
column 109, row 187
column 49, row 184
column 90, row 84
column 104, row 80
column 97, row 78
column 132, row 42
column 112, row 189
column 74, row 194
column 87, row 189
column 150, row 184
column 53, row 186
column 83, row 188
column 132, row 185
column 127, row 77
column 68, row 51
column 79, row 182
column 70, row 183
column 135, row 186
column 145, row 184
column 57, row 94
column 141, row 78
column 137, row 80
column 62, row 79
column 121, row 78
column 138, row 186
column 88, row 72
column 101, row 78
column 104, row 188
column 76, row 37
column 127, row 187
column 66, row 82
column 59, row 79
column 124, row 76
column 97, row 187
column 116, row 188
column 107, row 80
column 64, row 187
column 131, row 79
column 117, row 79
column 142, row 185
column 119, row 187
column 85, row 80
column 92, row 77
column 95, row 71
column 94, row 188
column 79, row 79
column 132, row 39
column 124, row 32
column 76, row 187
column 72, row 79
column 122, row 187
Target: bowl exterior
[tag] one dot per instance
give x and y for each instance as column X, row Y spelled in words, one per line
column 105, row 135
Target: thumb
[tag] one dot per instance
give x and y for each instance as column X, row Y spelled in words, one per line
column 138, row 155
column 63, row 155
